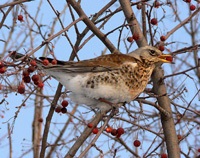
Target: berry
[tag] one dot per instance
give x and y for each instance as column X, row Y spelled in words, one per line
column 40, row 84
column 179, row 137
column 154, row 21
column 25, row 73
column 40, row 120
column 33, row 62
column 1, row 64
column 161, row 48
column 45, row 62
column 54, row 62
column 64, row 103
column 188, row 1
column 2, row 70
column 130, row 39
column 114, row 132
column 95, row 130
column 136, row 143
column 21, row 88
column 27, row 79
column 192, row 7
column 198, row 150
column 163, row 155
column 90, row 125
column 35, row 78
column 20, row 18
column 162, row 38
column 136, row 36
column 109, row 129
column 139, row 6
column 64, row 110
column 120, row 131
column 58, row 109
column 156, row 4
column 31, row 69
column 169, row 59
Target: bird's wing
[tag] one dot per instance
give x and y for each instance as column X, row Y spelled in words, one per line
column 100, row 64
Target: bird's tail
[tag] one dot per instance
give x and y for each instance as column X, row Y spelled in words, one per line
column 15, row 56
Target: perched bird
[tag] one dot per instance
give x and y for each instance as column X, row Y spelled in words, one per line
column 115, row 78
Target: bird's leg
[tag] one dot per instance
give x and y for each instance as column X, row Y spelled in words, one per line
column 114, row 106
column 106, row 101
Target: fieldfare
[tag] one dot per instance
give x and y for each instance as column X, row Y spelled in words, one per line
column 115, row 78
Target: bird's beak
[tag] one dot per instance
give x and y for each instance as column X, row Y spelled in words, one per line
column 166, row 58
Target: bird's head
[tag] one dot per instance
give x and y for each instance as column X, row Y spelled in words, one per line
column 149, row 55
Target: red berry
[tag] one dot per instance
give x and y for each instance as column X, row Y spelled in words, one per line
column 90, row 125
column 45, row 62
column 54, row 62
column 2, row 70
column 156, row 4
column 35, row 78
column 198, row 150
column 58, row 109
column 179, row 137
column 31, row 69
column 40, row 84
column 21, row 88
column 154, row 21
column 64, row 103
column 163, row 155
column 20, row 18
column 109, row 129
column 25, row 73
column 40, row 120
column 27, row 79
column 162, row 38
column 95, row 130
column 136, row 143
column 64, row 110
column 139, row 6
column 188, row 1
column 1, row 64
column 114, row 132
column 161, row 48
column 33, row 62
column 120, row 131
column 136, row 36
column 169, row 58
column 192, row 7
column 130, row 39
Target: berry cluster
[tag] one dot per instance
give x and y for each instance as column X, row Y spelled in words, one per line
column 192, row 6
column 134, row 37
column 62, row 108
column 115, row 132
column 27, row 78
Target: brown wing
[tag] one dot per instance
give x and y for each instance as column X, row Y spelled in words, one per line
column 100, row 64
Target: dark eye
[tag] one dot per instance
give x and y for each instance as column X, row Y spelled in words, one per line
column 152, row 52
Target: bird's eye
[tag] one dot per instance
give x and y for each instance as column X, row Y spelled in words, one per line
column 152, row 52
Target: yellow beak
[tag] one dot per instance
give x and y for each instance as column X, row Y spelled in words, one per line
column 166, row 58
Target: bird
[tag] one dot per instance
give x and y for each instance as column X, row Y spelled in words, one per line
column 111, row 78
